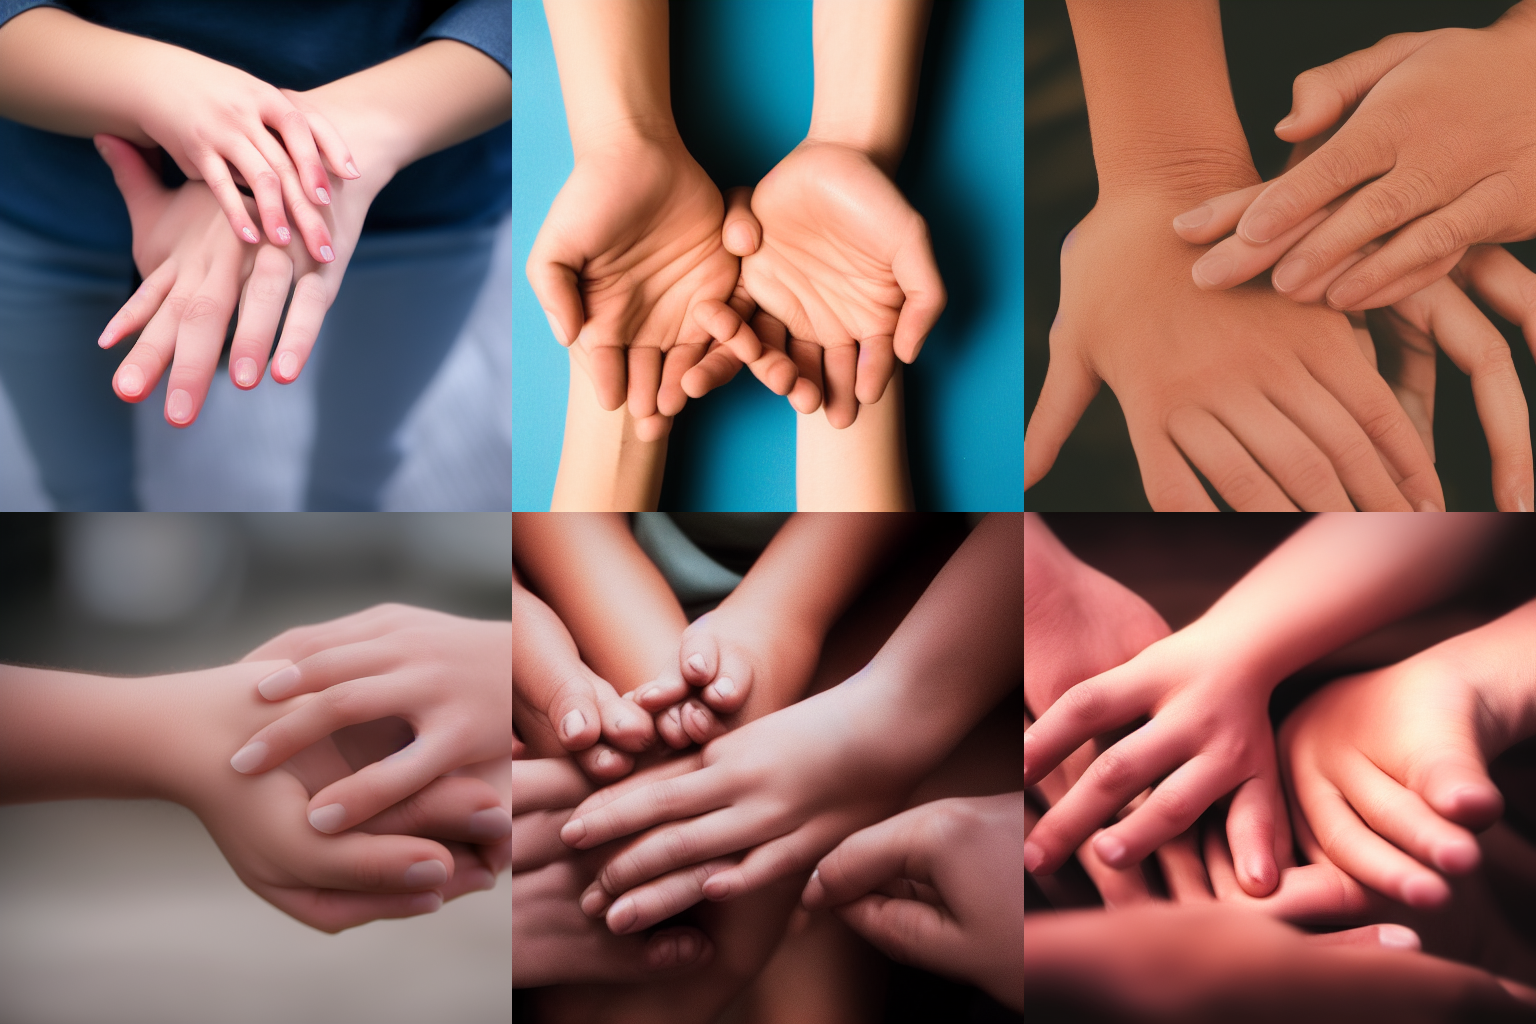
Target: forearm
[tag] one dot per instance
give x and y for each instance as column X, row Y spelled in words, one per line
column 867, row 56
column 603, row 465
column 862, row 467
column 1336, row 579
column 1160, row 106
column 614, row 74
column 615, row 602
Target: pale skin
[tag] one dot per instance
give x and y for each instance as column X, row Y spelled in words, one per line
column 1271, row 402
column 197, row 278
column 1206, row 689
column 64, row 74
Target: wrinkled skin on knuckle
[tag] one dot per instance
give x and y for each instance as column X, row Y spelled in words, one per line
column 201, row 309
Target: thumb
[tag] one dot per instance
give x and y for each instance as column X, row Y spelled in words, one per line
column 140, row 186
column 1069, row 387
column 552, row 273
column 741, row 232
column 1454, row 781
column 1321, row 95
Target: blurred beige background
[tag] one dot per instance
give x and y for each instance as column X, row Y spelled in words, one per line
column 120, row 912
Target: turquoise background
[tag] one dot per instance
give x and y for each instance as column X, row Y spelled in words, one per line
column 741, row 91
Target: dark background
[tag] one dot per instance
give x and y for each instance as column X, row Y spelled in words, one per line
column 1268, row 43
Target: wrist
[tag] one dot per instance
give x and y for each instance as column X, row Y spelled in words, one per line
column 626, row 132
column 1173, row 178
column 883, row 148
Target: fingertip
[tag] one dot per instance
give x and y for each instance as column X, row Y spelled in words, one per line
column 281, row 684
column 1457, row 857
column 1259, row 875
column 1425, row 891
column 814, row 893
column 1111, row 849
column 1397, row 936
column 739, row 239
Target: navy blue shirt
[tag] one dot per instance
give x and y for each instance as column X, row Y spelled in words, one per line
column 57, row 185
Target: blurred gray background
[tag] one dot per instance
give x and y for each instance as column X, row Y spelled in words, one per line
column 120, row 912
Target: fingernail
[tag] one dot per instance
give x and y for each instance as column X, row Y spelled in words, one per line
column 687, row 949
column 1110, row 850
column 248, row 757
column 813, row 889
column 280, row 683
column 1522, row 504
column 1428, row 506
column 284, row 236
column 249, row 235
column 106, row 332
column 1194, row 218
column 130, row 380
column 1291, row 274
column 594, row 901
column 605, row 759
column 572, row 724
column 554, row 325
column 352, row 169
column 1286, row 123
column 1033, row 857
column 1425, row 891
column 716, row 887
column 328, row 819
column 324, row 196
column 699, row 719
column 1343, row 296
column 326, row 254
column 725, row 688
column 1213, row 269
column 245, row 372
column 622, row 915
column 574, row 832
column 740, row 237
column 179, row 406
column 481, row 880
column 1396, row 936
column 1261, row 229
column 650, row 693
column 1455, row 858
column 425, row 903
column 696, row 662
column 426, row 872
column 288, row 365
column 490, row 825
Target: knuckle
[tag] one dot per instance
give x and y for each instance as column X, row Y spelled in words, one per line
column 201, row 309
column 1438, row 236
column 1084, row 703
column 1114, row 771
column 266, row 182
column 1243, row 484
column 1308, row 475
column 677, row 847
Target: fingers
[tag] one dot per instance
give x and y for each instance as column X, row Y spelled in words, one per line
column 1256, row 814
column 1372, row 936
column 762, row 866
column 1402, row 817
column 546, row 784
column 924, row 297
column 1094, row 706
column 1069, row 387
column 650, row 904
column 1504, row 283
column 216, row 176
column 839, row 373
column 741, row 232
column 728, row 328
column 141, row 188
column 868, row 859
column 1210, row 446
column 331, row 144
column 807, row 395
column 1215, row 218
column 1235, row 260
column 1174, row 806
column 658, row 802
column 301, row 327
column 1453, row 780
column 141, row 306
column 667, row 849
column 624, row 725
column 554, row 285
column 875, row 366
column 726, row 679
column 376, row 863
column 301, row 202
column 1183, row 870
column 296, row 130
column 379, row 785
column 907, row 931
column 644, row 380
column 261, row 310
column 1321, row 95
column 603, row 762
column 718, row 368
column 266, row 187
column 455, row 808
column 675, row 366
column 1344, row 434
column 333, row 911
column 200, row 338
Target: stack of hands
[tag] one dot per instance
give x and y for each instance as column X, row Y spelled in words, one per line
column 1151, row 744
column 715, row 763
column 1315, row 390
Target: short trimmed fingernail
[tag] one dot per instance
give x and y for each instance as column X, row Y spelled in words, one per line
column 326, row 254
column 687, row 949
column 1194, row 218
column 426, row 903
column 324, row 196
column 572, row 724
column 328, row 819
column 130, row 380
column 622, row 916
column 352, row 169
column 1110, row 850
column 725, row 688
column 1286, row 123
column 426, row 872
column 1213, row 269
column 699, row 719
column 594, row 901
column 1260, row 229
column 696, row 662
column 1424, row 891
column 1455, row 858
column 481, row 880
column 740, row 236
column 245, row 372
column 490, row 825
column 248, row 757
column 1345, row 295
column 280, row 683
column 650, row 693
column 814, row 882
column 1396, row 936
column 1033, row 857
column 1291, row 274
column 1429, row 506
column 288, row 365
column 605, row 759
column 716, row 887
column 249, row 235
column 574, row 832
column 178, row 406
column 554, row 325
column 284, row 236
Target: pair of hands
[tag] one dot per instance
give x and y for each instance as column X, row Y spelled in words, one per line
column 817, row 280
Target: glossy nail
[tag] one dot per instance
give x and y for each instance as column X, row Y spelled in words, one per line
column 1213, row 269
column 287, row 365
column 328, row 819
column 326, row 254
column 284, row 236
column 490, row 825
column 622, row 916
column 130, row 381
column 249, row 235
column 280, row 684
column 572, row 724
column 1194, row 218
column 352, row 170
column 248, row 757
column 696, row 662
column 1396, row 936
column 554, row 325
column 425, row 872
column 324, row 196
column 725, row 689
column 1291, row 274
column 178, row 407
column 245, row 372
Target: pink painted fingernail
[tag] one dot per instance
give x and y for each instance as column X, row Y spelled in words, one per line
column 326, row 254
column 324, row 196
column 245, row 372
column 249, row 235
column 280, row 683
column 248, row 757
column 178, row 407
column 287, row 365
column 328, row 819
column 130, row 381
column 352, row 169
column 284, row 236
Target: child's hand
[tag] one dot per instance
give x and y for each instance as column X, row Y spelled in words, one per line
column 1389, row 768
column 961, row 909
column 556, row 697
column 833, row 251
column 449, row 678
column 1209, row 735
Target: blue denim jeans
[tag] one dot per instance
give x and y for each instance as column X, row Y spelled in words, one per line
column 404, row 299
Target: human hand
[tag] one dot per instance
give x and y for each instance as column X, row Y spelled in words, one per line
column 832, row 250
column 1271, row 401
column 449, row 678
column 1389, row 768
column 1439, row 146
column 1208, row 733
column 940, row 886
column 629, row 247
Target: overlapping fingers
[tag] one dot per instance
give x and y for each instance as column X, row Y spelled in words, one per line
column 456, row 808
column 664, row 800
column 260, row 311
column 1091, row 708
